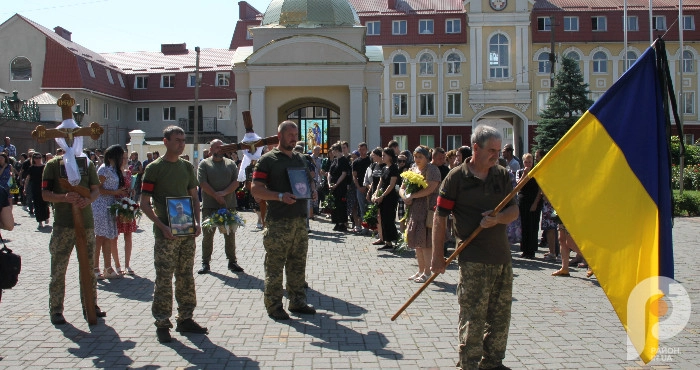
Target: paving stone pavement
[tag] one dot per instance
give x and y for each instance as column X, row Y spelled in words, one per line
column 556, row 322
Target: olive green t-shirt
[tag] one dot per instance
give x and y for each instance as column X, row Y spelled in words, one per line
column 271, row 170
column 55, row 170
column 164, row 179
column 219, row 175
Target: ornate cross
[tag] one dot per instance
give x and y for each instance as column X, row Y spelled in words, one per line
column 66, row 102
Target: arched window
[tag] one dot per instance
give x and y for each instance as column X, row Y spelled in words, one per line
column 543, row 63
column 399, row 63
column 688, row 62
column 453, row 64
column 426, row 64
column 21, row 69
column 600, row 62
column 575, row 56
column 631, row 58
column 498, row 56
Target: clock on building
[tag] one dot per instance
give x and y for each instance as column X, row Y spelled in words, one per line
column 498, row 4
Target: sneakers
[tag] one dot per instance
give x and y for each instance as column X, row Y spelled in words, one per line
column 58, row 319
column 163, row 335
column 190, row 326
column 234, row 267
column 279, row 314
column 304, row 310
column 204, row 269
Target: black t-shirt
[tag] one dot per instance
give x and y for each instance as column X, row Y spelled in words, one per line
column 271, row 170
column 25, row 167
column 359, row 166
column 444, row 170
column 387, row 173
column 377, row 169
column 340, row 165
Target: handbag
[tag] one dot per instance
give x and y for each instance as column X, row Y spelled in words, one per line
column 10, row 267
column 429, row 219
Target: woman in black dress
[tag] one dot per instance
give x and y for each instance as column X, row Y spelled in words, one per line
column 337, row 176
column 388, row 200
column 41, row 208
column 530, row 205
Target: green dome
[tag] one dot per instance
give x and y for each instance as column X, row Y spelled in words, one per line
column 310, row 14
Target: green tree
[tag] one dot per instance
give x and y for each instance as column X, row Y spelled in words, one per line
column 567, row 102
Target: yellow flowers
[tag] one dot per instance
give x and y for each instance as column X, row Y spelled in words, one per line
column 414, row 181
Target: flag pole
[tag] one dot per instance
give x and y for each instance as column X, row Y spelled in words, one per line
column 464, row 244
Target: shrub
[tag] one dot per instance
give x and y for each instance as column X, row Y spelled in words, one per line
column 687, row 204
column 691, row 177
column 692, row 152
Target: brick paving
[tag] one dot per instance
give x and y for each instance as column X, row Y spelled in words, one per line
column 556, row 322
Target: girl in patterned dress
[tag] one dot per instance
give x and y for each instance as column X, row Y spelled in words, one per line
column 124, row 226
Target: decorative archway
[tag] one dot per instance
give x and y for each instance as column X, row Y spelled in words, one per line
column 317, row 119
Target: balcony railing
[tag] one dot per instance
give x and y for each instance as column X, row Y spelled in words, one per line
column 206, row 125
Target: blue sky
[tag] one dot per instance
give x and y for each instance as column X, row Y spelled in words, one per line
column 136, row 25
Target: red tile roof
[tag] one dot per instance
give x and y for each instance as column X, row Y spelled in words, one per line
column 156, row 62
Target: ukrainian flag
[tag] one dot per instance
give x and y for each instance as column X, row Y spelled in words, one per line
column 608, row 178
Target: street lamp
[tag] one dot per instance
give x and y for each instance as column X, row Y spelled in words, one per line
column 78, row 114
column 15, row 103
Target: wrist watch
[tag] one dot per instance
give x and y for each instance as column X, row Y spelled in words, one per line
column 280, row 196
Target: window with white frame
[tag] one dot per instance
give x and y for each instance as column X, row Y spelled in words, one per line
column 402, row 140
column 121, row 80
column 427, row 104
column 453, row 26
column 498, row 56
column 400, row 104
column 117, row 113
column 426, row 27
column 427, row 140
column 631, row 58
column 223, row 113
column 86, row 106
column 398, row 27
column 453, row 142
column 373, row 28
column 544, row 66
column 600, row 62
column 688, row 22
column 595, row 95
column 399, row 63
column 454, row 104
column 542, row 98
column 599, row 23
column 688, row 62
column 689, row 139
column 454, row 61
column 571, row 24
column 141, row 82
column 169, row 114
column 191, row 80
column 20, row 69
column 544, row 23
column 167, row 81
column 222, row 78
column 426, row 64
column 109, row 76
column 89, row 67
column 105, row 110
column 689, row 102
column 632, row 23
column 142, row 114
column 658, row 22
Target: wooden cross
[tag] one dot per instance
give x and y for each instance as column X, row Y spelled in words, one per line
column 251, row 146
column 41, row 134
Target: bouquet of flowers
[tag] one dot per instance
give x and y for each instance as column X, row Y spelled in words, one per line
column 370, row 217
column 328, row 202
column 126, row 210
column 414, row 182
column 225, row 220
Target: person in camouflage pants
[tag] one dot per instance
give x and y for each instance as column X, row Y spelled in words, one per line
column 165, row 252
column 286, row 243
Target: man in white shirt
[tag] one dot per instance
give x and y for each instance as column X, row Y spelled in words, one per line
column 512, row 163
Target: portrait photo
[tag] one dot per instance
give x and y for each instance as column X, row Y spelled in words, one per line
column 180, row 216
column 299, row 179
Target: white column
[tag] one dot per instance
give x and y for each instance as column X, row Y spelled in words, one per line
column 257, row 110
column 522, row 39
column 388, row 96
column 476, row 55
column 242, row 104
column 356, row 115
column 373, row 139
column 136, row 144
column 413, row 97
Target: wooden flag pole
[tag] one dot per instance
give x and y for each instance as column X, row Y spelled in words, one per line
column 41, row 134
column 463, row 245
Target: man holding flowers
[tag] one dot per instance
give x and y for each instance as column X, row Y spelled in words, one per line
column 218, row 179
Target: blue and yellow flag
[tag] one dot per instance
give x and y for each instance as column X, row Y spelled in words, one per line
column 608, row 179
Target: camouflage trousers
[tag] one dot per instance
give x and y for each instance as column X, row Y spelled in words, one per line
column 173, row 257
column 208, row 240
column 485, row 296
column 61, row 246
column 286, row 242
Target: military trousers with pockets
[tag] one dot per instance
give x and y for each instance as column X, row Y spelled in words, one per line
column 208, row 240
column 61, row 247
column 173, row 258
column 286, row 242
column 485, row 294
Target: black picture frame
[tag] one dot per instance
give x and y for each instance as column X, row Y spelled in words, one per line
column 299, row 180
column 181, row 224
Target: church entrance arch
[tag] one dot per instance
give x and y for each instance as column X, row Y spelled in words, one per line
column 317, row 119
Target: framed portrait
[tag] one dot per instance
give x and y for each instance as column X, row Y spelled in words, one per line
column 299, row 179
column 180, row 216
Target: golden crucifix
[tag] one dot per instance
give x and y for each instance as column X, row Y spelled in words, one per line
column 41, row 134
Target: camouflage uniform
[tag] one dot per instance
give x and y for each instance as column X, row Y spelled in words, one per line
column 61, row 247
column 173, row 257
column 286, row 242
column 208, row 240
